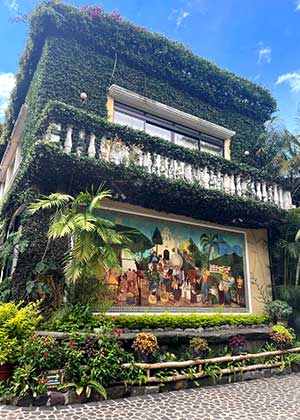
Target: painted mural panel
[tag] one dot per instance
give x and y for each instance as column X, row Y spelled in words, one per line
column 170, row 264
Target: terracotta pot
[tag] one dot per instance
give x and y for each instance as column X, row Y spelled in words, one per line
column 5, row 372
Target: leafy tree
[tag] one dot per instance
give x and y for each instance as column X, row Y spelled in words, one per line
column 94, row 241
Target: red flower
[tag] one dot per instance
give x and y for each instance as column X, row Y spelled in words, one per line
column 113, row 318
column 46, row 355
column 71, row 343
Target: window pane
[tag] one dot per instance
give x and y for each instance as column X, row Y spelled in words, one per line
column 186, row 141
column 125, row 119
column 154, row 130
column 211, row 148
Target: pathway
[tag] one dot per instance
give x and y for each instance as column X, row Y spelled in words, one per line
column 265, row 399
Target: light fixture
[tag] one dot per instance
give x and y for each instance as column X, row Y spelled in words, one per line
column 83, row 96
column 246, row 153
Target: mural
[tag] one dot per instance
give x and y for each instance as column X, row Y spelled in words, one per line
column 172, row 264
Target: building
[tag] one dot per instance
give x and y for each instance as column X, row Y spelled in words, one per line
column 171, row 135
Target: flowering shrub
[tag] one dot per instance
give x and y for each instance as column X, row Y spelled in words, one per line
column 93, row 10
column 44, row 353
column 282, row 337
column 145, row 343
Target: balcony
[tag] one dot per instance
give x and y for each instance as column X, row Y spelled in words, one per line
column 84, row 134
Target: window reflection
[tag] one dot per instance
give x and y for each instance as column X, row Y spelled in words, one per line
column 126, row 119
column 213, row 149
column 186, row 141
column 155, row 130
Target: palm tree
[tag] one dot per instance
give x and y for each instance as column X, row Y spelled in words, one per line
column 208, row 241
column 279, row 152
column 94, row 241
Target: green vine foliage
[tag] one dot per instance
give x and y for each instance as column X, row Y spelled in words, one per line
column 65, row 40
column 50, row 169
column 65, row 114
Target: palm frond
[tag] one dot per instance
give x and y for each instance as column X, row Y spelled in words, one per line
column 95, row 203
column 55, row 200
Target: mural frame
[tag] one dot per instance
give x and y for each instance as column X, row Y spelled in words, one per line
column 168, row 217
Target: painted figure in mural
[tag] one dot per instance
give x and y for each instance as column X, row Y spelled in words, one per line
column 194, row 290
column 240, row 290
column 228, row 282
column 205, row 286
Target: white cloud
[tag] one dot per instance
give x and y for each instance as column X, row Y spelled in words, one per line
column 182, row 15
column 264, row 55
column 292, row 79
column 7, row 83
column 178, row 16
column 13, row 5
column 298, row 6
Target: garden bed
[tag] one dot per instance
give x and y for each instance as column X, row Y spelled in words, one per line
column 156, row 385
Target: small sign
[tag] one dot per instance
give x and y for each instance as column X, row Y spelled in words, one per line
column 54, row 378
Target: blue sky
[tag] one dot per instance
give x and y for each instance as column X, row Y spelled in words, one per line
column 256, row 39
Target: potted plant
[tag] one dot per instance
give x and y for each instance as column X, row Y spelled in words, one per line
column 279, row 311
column 8, row 351
column 144, row 346
column 238, row 344
column 198, row 347
column 282, row 337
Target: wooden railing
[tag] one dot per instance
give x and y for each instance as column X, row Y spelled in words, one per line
column 148, row 367
column 116, row 151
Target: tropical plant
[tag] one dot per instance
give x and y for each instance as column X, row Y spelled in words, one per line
column 145, row 343
column 86, row 384
column 13, row 245
column 237, row 344
column 279, row 310
column 209, row 242
column 93, row 240
column 282, row 337
column 199, row 345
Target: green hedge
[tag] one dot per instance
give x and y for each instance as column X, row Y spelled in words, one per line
column 64, row 40
column 139, row 322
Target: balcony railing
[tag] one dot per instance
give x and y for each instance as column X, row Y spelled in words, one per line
column 112, row 149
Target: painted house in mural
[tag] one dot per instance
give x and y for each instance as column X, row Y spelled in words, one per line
column 171, row 135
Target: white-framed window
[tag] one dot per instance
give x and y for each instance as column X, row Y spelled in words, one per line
column 168, row 130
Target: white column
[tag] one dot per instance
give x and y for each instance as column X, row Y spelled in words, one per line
column 69, row 141
column 258, row 191
column 280, row 193
column 264, row 191
column 238, row 185
column 92, row 146
column 206, row 177
column 80, row 147
column 276, row 195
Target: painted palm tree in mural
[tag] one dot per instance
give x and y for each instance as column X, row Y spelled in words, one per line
column 209, row 242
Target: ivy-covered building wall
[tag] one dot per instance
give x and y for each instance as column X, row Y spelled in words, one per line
column 72, row 51
column 95, row 52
